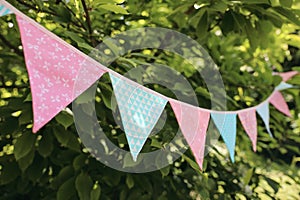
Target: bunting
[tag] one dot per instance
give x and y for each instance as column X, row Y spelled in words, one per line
column 248, row 120
column 4, row 10
column 140, row 111
column 287, row 75
column 226, row 124
column 279, row 103
column 283, row 86
column 193, row 123
column 54, row 67
column 263, row 111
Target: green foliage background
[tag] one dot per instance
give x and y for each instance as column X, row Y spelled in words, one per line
column 248, row 39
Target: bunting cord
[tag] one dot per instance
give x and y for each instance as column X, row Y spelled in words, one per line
column 106, row 69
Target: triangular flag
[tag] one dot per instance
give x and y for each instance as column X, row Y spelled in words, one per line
column 4, row 10
column 287, row 75
column 263, row 111
column 193, row 123
column 278, row 102
column 53, row 67
column 283, row 86
column 132, row 101
column 248, row 120
column 226, row 124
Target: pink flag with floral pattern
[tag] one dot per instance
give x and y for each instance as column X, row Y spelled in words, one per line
column 53, row 66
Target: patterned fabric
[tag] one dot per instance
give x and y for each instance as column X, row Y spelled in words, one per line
column 283, row 86
column 226, row 124
column 287, row 75
column 193, row 123
column 248, row 120
column 53, row 68
column 279, row 103
column 140, row 111
column 4, row 10
column 263, row 111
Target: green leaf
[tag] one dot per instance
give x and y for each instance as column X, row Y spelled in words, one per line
column 67, row 139
column 106, row 93
column 192, row 163
column 36, row 169
column 273, row 184
column 202, row 30
column 98, row 2
column 66, row 190
column 63, row 14
column 286, row 3
column 28, row 98
column 63, row 175
column 26, row 115
column 9, row 172
column 252, row 35
column 129, row 181
column 84, row 186
column 79, row 161
column 165, row 171
column 114, row 8
column 289, row 14
column 64, row 119
column 227, row 26
column 293, row 40
column 194, row 21
column 248, row 176
column 296, row 68
column 96, row 192
column 45, row 147
column 85, row 46
column 156, row 143
column 75, row 37
column 24, row 145
column 27, row 160
column 256, row 2
column 219, row 7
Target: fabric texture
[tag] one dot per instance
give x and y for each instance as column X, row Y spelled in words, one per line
column 140, row 111
column 249, row 122
column 283, row 86
column 53, row 70
column 226, row 124
column 193, row 123
column 279, row 103
column 4, row 10
column 263, row 111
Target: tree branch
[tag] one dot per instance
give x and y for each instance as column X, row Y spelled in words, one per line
column 88, row 20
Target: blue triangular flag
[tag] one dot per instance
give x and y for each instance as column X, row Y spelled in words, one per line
column 226, row 124
column 4, row 10
column 140, row 111
column 263, row 111
column 283, row 86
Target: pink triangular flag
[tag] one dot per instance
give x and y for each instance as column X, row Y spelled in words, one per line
column 279, row 103
column 287, row 75
column 193, row 123
column 53, row 67
column 248, row 120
